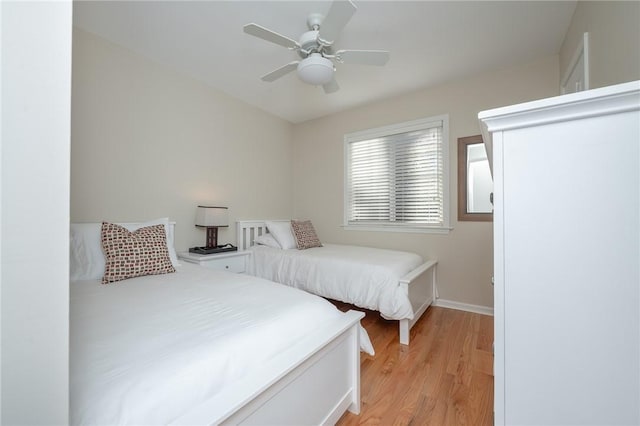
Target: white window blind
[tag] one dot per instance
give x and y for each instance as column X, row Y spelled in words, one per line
column 396, row 176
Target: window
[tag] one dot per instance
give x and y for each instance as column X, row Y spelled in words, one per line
column 396, row 177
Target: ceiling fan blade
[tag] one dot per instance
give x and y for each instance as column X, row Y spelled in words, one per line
column 339, row 14
column 331, row 86
column 364, row 57
column 274, row 75
column 272, row 36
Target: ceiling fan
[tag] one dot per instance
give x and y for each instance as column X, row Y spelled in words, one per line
column 316, row 47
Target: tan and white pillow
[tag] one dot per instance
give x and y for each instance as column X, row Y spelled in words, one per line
column 133, row 254
column 305, row 234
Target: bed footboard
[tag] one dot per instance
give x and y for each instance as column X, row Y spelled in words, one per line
column 419, row 285
column 314, row 382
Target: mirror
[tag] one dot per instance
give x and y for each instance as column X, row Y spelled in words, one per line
column 475, row 185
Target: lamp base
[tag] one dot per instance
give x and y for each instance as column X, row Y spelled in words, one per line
column 212, row 250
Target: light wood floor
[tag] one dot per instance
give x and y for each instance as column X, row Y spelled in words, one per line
column 444, row 377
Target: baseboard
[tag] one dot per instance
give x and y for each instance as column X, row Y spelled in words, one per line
column 452, row 304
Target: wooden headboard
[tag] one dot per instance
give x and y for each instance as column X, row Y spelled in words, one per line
column 248, row 230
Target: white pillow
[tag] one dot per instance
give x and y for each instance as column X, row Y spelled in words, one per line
column 281, row 231
column 267, row 240
column 86, row 258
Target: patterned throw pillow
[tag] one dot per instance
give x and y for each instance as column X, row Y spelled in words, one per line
column 305, row 234
column 132, row 254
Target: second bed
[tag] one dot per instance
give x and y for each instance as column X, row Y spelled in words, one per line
column 398, row 284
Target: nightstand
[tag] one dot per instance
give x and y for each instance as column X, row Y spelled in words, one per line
column 234, row 261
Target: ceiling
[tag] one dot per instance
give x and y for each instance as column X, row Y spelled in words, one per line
column 430, row 43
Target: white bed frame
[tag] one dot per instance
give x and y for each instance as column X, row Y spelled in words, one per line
column 313, row 382
column 419, row 284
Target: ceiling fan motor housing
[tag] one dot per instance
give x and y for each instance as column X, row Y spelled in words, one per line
column 309, row 43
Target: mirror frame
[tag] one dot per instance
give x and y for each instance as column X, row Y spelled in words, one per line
column 463, row 214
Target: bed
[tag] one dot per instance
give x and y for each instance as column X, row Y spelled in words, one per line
column 400, row 285
column 198, row 346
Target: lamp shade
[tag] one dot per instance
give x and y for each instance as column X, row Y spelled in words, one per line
column 212, row 216
column 316, row 70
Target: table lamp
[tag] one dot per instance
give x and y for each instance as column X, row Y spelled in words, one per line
column 211, row 218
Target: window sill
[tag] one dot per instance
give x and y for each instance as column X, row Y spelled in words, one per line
column 393, row 228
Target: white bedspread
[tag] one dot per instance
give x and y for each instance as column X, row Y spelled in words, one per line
column 363, row 276
column 147, row 350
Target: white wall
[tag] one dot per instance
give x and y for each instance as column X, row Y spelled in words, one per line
column 34, row 231
column 148, row 142
column 465, row 255
column 614, row 41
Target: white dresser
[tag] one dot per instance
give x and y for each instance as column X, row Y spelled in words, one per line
column 567, row 253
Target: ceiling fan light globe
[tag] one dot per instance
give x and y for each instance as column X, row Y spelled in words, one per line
column 315, row 70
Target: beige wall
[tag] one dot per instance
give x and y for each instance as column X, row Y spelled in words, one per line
column 465, row 255
column 148, row 142
column 614, row 41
